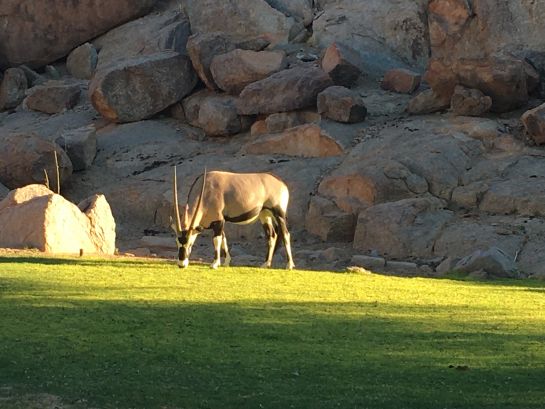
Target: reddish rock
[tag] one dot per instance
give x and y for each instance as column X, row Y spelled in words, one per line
column 427, row 102
column 342, row 64
column 447, row 18
column 304, row 140
column 138, row 88
column 469, row 102
column 53, row 97
column 401, row 80
column 534, row 122
column 12, row 88
column 23, row 159
column 286, row 90
column 341, row 104
column 234, row 70
column 39, row 32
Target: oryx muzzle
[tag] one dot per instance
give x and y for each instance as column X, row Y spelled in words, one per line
column 240, row 198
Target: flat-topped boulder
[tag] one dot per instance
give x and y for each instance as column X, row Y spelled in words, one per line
column 140, row 87
column 53, row 97
column 287, row 90
column 235, row 69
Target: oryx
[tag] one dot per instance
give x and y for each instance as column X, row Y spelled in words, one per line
column 240, row 198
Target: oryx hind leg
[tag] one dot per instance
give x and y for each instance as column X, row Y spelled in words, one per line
column 270, row 233
column 286, row 239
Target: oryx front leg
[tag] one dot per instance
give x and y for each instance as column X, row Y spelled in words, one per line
column 227, row 261
column 217, row 228
column 271, row 241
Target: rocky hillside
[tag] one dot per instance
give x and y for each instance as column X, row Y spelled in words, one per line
column 409, row 132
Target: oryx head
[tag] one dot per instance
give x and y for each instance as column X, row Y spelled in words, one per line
column 186, row 231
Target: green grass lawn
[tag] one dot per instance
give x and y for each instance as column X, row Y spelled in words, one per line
column 142, row 334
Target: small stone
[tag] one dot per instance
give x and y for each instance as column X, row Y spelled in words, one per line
column 341, row 105
column 469, row 102
column 368, row 262
column 82, row 61
column 534, row 122
column 342, row 64
column 401, row 80
column 12, row 88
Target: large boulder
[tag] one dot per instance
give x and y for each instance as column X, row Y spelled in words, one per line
column 142, row 86
column 35, row 217
column 150, row 34
column 534, row 123
column 12, row 88
column 234, row 70
column 286, row 90
column 39, row 32
column 24, row 157
column 493, row 261
column 240, row 18
column 386, row 33
column 402, row 229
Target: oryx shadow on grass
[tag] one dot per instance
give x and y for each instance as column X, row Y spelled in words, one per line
column 127, row 354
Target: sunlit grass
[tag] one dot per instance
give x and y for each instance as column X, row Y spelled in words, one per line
column 140, row 334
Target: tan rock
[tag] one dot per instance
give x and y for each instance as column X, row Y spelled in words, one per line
column 38, row 218
column 101, row 223
column 427, row 102
column 235, row 69
column 469, row 102
column 304, row 140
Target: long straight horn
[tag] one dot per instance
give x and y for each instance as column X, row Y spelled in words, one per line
column 199, row 202
column 175, row 200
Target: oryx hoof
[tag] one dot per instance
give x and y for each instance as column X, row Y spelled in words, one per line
column 290, row 266
column 266, row 264
column 215, row 265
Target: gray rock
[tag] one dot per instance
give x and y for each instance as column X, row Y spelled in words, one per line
column 286, row 90
column 12, row 88
column 342, row 105
column 53, row 97
column 82, row 61
column 140, row 87
column 493, row 260
column 427, row 102
column 368, row 262
column 534, row 123
column 402, row 267
column 151, row 34
column 3, row 191
column 402, row 229
column 240, row 18
column 23, row 159
column 80, row 145
column 299, row 9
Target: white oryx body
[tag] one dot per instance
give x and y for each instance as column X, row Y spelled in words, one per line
column 240, row 198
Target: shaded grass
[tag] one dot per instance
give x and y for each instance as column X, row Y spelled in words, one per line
column 138, row 334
